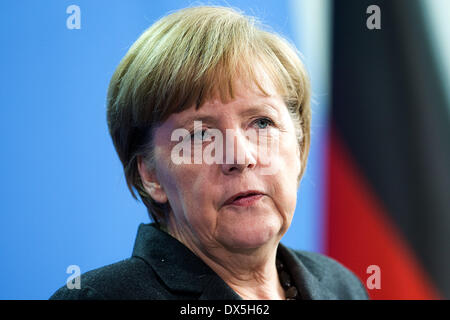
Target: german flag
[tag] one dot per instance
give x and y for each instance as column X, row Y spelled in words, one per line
column 388, row 162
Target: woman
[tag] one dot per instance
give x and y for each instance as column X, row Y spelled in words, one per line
column 210, row 116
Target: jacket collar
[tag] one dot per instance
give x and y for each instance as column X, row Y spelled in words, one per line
column 181, row 270
column 177, row 266
column 308, row 283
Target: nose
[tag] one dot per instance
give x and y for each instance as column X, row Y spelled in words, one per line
column 239, row 153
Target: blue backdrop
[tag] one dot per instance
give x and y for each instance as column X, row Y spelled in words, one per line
column 64, row 199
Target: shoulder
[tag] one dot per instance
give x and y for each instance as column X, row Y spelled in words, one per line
column 127, row 279
column 339, row 280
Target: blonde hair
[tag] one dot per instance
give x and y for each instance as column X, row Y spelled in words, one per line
column 184, row 59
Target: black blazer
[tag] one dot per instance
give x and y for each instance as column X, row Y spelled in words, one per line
column 163, row 268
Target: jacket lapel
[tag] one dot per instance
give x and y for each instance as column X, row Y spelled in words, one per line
column 308, row 284
column 182, row 271
column 177, row 266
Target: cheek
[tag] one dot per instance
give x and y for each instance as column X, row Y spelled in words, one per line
column 189, row 194
column 289, row 166
column 175, row 181
column 289, row 156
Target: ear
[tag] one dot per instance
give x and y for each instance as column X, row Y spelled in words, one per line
column 150, row 182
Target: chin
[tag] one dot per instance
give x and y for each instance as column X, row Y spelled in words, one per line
column 249, row 236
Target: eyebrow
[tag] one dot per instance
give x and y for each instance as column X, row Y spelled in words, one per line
column 205, row 118
column 253, row 109
column 257, row 108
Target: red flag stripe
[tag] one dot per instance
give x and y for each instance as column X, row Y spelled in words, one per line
column 360, row 234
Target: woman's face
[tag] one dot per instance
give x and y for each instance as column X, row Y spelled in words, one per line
column 201, row 194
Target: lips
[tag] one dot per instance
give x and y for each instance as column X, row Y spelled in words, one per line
column 245, row 198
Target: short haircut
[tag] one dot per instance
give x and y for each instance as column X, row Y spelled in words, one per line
column 185, row 58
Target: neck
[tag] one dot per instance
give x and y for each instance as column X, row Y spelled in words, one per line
column 261, row 283
column 251, row 273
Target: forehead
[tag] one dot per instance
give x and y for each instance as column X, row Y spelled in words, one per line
column 244, row 104
column 247, row 95
column 243, row 93
column 220, row 85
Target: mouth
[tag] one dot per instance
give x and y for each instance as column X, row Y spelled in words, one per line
column 244, row 199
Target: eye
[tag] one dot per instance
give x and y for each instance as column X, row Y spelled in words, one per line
column 199, row 135
column 262, row 123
